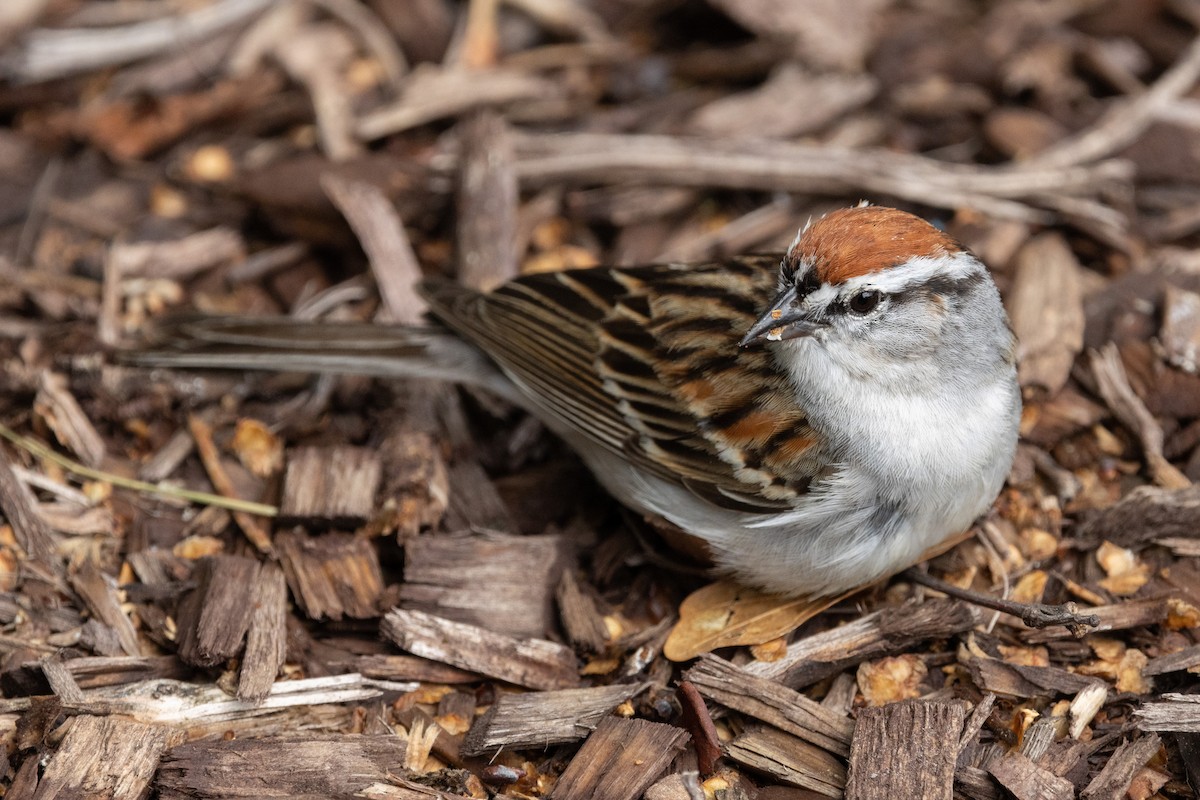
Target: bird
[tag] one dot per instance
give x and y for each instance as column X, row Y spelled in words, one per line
column 818, row 419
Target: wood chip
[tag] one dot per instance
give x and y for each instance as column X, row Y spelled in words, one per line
column 106, row 757
column 539, row 719
column 329, row 765
column 1181, row 660
column 792, row 102
column 1022, row 681
column 882, row 633
column 905, row 749
column 815, row 30
column 1113, row 384
column 99, row 593
column 619, row 760
column 1045, row 306
column 1172, row 712
column 332, row 575
column 581, row 618
column 20, row 509
column 266, row 639
column 213, row 617
column 1027, row 781
column 502, row 583
column 412, row 668
column 1113, row 781
column 381, row 232
column 1148, row 513
column 535, row 663
column 771, row 702
column 330, row 485
column 56, row 405
column 790, row 759
column 487, row 203
column 1180, row 334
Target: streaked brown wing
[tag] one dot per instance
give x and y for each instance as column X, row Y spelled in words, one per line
column 645, row 362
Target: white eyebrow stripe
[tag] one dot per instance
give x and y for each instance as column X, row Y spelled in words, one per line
column 915, row 272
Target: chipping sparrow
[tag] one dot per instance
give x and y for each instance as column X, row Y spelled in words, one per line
column 817, row 441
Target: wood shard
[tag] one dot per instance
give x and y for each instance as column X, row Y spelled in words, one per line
column 538, row 719
column 1046, row 308
column 885, row 632
column 498, row 582
column 99, row 593
column 1027, row 781
column 619, row 760
column 535, row 663
column 1173, row 712
column 213, row 617
column 86, row 764
column 328, row 765
column 266, row 639
column 581, row 619
column 791, row 760
column 1113, row 781
column 771, row 702
column 330, row 485
column 332, row 575
column 905, row 749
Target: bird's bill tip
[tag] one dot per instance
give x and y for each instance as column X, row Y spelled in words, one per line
column 779, row 324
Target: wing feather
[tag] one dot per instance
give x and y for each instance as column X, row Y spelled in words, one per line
column 644, row 361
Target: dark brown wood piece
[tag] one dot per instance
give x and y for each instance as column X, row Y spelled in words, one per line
column 771, row 702
column 905, row 749
column 581, row 619
column 619, row 760
column 789, row 759
column 266, row 639
column 213, row 617
column 331, row 575
column 1113, row 781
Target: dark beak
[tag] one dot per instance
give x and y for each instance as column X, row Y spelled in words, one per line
column 785, row 319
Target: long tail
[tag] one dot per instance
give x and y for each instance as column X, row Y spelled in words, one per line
column 282, row 344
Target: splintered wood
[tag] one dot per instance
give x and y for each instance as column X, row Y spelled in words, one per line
column 331, row 485
column 287, row 766
column 106, row 757
column 905, row 749
column 332, row 575
column 502, row 583
column 535, row 663
column 539, row 719
column 619, row 760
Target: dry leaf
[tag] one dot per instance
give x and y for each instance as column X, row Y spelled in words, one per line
column 1126, row 572
column 194, row 547
column 1038, row 545
column 258, row 448
column 1030, row 587
column 891, row 679
column 1181, row 614
column 1036, row 656
column 724, row 614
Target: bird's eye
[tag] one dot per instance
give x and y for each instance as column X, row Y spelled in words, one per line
column 864, row 302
